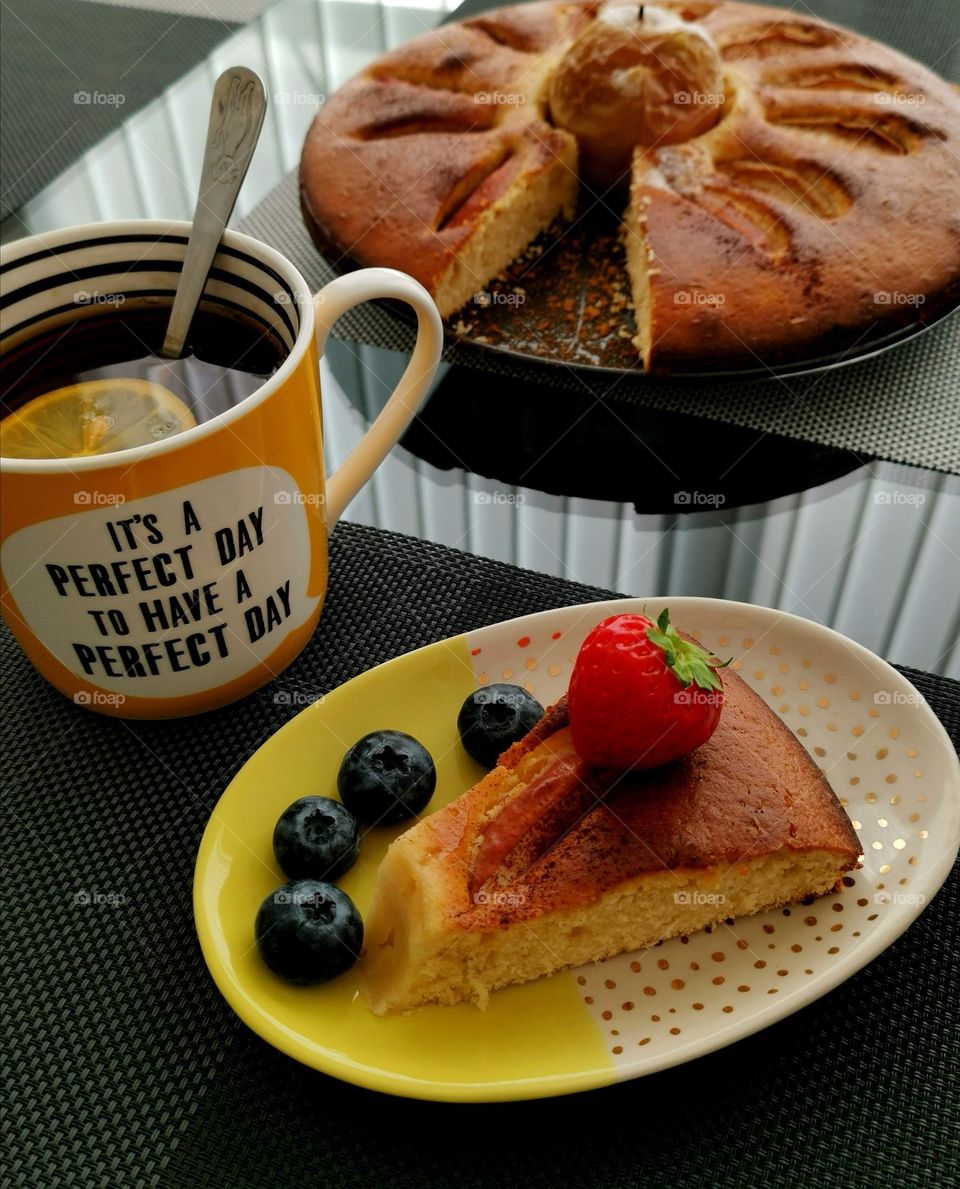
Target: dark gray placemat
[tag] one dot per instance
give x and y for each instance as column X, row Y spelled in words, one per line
column 124, row 1066
column 70, row 73
column 903, row 406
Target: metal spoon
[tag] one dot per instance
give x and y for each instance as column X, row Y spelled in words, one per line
column 236, row 117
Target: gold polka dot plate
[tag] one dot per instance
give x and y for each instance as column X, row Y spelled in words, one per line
column 883, row 750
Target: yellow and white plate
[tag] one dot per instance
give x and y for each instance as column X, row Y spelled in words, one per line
column 882, row 748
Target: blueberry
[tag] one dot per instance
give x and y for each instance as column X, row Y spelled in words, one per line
column 309, row 931
column 493, row 717
column 316, row 838
column 386, row 776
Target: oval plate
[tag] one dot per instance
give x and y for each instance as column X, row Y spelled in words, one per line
column 884, row 751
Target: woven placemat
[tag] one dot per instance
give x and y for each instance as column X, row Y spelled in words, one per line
column 903, row 406
column 70, row 73
column 124, row 1066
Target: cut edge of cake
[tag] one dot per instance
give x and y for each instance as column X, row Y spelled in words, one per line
column 545, row 189
column 637, row 250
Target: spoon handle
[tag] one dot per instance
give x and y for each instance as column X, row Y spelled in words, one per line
column 236, row 117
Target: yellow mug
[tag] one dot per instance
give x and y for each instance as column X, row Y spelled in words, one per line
column 176, row 577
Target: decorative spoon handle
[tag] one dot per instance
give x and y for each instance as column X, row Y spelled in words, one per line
column 236, row 117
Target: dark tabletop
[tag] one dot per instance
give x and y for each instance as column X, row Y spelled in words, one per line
column 124, row 1065
column 72, row 72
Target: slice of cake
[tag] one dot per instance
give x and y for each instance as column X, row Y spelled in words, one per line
column 547, row 863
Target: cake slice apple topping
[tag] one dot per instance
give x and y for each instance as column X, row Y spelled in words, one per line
column 669, row 698
column 532, row 811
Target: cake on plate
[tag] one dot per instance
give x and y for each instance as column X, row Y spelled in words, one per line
column 548, row 863
column 789, row 186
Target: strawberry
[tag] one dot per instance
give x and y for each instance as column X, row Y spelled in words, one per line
column 642, row 695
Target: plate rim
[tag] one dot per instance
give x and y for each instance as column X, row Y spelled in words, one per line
column 786, row 369
column 338, row 1065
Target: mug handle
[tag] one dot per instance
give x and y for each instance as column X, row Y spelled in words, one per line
column 336, row 298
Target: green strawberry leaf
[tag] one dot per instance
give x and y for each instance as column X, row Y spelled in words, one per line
column 688, row 662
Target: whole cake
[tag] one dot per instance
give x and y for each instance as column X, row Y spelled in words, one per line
column 485, row 892
column 791, row 184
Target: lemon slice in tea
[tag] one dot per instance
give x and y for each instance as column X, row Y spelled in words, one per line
column 93, row 417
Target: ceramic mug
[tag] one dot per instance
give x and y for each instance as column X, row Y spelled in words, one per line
column 175, row 577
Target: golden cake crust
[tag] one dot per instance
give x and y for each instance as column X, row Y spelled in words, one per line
column 821, row 203
column 750, row 790
column 405, row 158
